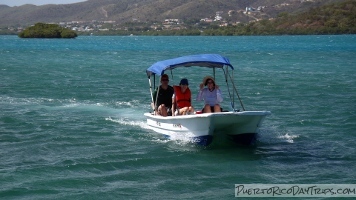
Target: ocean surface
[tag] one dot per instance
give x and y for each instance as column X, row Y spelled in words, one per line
column 72, row 124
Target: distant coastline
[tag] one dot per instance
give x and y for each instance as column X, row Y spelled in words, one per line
column 331, row 19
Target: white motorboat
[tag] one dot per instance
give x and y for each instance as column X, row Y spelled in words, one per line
column 201, row 128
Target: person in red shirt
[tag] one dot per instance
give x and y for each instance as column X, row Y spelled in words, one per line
column 182, row 99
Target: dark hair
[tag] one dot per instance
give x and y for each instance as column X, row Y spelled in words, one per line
column 184, row 81
column 206, row 82
column 164, row 76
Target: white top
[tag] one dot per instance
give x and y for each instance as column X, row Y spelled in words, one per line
column 210, row 97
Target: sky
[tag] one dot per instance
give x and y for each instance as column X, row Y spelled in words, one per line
column 37, row 2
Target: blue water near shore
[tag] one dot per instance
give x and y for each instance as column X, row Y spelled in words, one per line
column 72, row 124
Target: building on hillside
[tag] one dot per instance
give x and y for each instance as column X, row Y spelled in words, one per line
column 206, row 20
column 218, row 16
column 250, row 10
column 171, row 21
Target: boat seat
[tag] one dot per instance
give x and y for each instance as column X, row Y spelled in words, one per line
column 212, row 109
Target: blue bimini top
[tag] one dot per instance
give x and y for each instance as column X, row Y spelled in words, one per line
column 201, row 60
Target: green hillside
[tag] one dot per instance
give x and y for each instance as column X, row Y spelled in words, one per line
column 148, row 17
column 336, row 18
column 148, row 11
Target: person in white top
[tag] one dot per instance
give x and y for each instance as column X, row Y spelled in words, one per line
column 211, row 95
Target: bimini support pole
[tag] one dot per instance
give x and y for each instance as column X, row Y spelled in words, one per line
column 214, row 73
column 152, row 104
column 232, row 97
column 235, row 89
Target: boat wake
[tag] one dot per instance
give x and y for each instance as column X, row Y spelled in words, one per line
column 271, row 136
column 128, row 122
column 288, row 138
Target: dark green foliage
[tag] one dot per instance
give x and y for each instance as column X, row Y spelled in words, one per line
column 337, row 18
column 42, row 30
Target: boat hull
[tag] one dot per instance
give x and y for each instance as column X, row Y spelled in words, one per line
column 241, row 127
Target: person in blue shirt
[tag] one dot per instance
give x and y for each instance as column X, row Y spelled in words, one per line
column 211, row 95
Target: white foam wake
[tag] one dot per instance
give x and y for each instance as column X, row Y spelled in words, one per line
column 129, row 122
column 288, row 138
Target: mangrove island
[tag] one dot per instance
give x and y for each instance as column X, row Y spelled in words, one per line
column 42, row 30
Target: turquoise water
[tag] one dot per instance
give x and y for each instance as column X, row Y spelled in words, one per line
column 72, row 124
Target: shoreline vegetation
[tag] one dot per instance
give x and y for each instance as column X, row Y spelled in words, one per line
column 332, row 19
column 42, row 30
